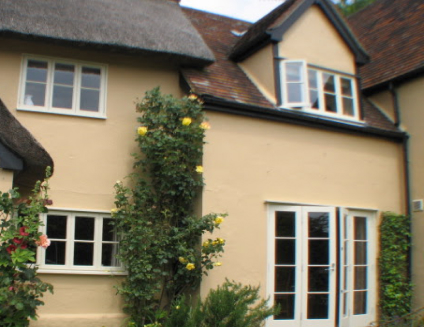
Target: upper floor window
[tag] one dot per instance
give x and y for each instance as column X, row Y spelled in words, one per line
column 82, row 242
column 318, row 91
column 63, row 87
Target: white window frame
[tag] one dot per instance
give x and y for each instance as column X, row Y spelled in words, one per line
column 305, row 105
column 48, row 107
column 69, row 267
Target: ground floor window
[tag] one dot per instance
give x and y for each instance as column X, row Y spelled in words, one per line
column 80, row 241
column 321, row 265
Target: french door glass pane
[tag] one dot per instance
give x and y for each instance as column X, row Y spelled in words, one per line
column 360, row 278
column 285, row 279
column 360, row 253
column 318, row 279
column 285, row 252
column 360, row 302
column 318, row 252
column 318, row 306
column 284, row 224
column 83, row 254
column 318, row 224
column 55, row 253
column 360, row 228
column 286, row 302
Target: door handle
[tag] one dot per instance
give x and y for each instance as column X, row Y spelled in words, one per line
column 332, row 267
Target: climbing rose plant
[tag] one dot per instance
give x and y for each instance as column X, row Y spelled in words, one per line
column 155, row 217
column 20, row 288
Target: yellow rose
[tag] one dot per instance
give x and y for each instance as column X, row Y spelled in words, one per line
column 177, row 307
column 190, row 266
column 220, row 240
column 142, row 130
column 205, row 125
column 113, row 211
column 214, row 242
column 199, row 169
column 219, row 220
column 205, row 244
column 217, row 264
column 186, row 121
column 192, row 97
column 182, row 260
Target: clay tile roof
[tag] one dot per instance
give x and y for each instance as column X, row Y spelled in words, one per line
column 20, row 141
column 151, row 26
column 224, row 78
column 392, row 31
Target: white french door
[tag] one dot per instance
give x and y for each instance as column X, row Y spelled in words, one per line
column 320, row 267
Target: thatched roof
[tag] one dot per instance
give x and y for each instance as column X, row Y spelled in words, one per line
column 20, row 142
column 152, row 26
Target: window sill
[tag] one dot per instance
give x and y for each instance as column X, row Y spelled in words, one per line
column 62, row 113
column 105, row 272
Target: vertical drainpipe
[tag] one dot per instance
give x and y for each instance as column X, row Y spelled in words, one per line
column 405, row 148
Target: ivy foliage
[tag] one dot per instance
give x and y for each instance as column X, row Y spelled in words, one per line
column 20, row 288
column 230, row 305
column 155, row 219
column 396, row 288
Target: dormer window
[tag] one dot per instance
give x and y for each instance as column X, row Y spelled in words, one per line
column 318, row 91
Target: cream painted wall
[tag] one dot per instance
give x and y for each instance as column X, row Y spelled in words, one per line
column 89, row 156
column 249, row 161
column 411, row 99
column 6, row 180
column 313, row 38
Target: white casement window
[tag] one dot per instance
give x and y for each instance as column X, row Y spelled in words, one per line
column 318, row 91
column 63, row 87
column 82, row 242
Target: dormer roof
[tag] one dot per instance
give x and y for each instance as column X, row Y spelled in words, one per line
column 393, row 34
column 156, row 27
column 272, row 27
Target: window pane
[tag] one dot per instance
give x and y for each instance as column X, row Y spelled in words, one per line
column 64, row 74
column 313, row 78
column 295, row 92
column 90, row 77
column 62, row 97
column 360, row 303
column 346, row 86
column 294, row 71
column 360, row 228
column 360, row 278
column 360, row 253
column 56, row 226
column 330, row 103
column 318, row 279
column 328, row 81
column 89, row 100
column 286, row 302
column 318, row 224
column 285, row 224
column 348, row 107
column 55, row 253
column 108, row 233
column 83, row 254
column 313, row 96
column 35, row 94
column 109, row 252
column 84, row 228
column 285, row 279
column 37, row 71
column 285, row 252
column 317, row 306
column 318, row 252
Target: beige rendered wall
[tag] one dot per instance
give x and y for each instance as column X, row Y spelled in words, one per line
column 312, row 38
column 89, row 156
column 6, row 180
column 248, row 161
column 411, row 99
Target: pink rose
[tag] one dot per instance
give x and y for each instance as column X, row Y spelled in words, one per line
column 43, row 241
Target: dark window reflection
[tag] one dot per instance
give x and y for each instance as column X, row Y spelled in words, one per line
column 285, row 224
column 285, row 252
column 286, row 302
